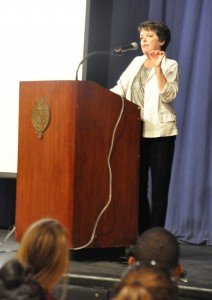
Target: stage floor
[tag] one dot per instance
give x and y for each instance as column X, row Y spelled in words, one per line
column 93, row 272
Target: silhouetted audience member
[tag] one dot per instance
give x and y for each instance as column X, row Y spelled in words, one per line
column 159, row 245
column 147, row 282
column 45, row 248
column 16, row 283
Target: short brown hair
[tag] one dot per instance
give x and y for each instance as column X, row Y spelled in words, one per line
column 162, row 31
column 159, row 245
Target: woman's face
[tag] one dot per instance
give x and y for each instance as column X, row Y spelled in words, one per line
column 149, row 41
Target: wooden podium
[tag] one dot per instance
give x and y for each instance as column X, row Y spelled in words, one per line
column 63, row 171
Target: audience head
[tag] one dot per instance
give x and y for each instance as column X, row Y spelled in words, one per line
column 16, row 283
column 159, row 245
column 44, row 247
column 147, row 282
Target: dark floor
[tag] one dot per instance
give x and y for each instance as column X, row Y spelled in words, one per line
column 93, row 272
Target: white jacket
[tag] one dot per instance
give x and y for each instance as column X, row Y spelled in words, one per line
column 159, row 117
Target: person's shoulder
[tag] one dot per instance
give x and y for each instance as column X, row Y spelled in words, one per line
column 137, row 60
column 49, row 296
column 169, row 61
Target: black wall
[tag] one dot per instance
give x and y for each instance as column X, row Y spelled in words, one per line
column 99, row 33
column 7, row 202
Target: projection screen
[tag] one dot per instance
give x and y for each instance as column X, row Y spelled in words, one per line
column 40, row 40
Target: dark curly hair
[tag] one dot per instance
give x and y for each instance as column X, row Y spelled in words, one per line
column 16, row 283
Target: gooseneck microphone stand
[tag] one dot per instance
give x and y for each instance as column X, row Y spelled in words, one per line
column 116, row 51
column 92, row 54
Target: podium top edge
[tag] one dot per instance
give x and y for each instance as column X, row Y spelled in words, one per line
column 59, row 80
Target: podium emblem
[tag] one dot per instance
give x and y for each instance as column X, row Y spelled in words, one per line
column 40, row 116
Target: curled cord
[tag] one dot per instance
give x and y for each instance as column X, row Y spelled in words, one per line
column 110, row 181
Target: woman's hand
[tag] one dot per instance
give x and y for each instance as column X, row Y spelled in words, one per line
column 155, row 56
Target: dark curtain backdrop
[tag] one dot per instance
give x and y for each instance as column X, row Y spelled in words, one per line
column 190, row 199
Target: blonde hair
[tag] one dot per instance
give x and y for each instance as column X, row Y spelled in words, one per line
column 147, row 283
column 44, row 247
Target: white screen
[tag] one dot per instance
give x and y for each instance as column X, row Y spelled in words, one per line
column 40, row 40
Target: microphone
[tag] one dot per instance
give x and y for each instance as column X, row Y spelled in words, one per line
column 120, row 50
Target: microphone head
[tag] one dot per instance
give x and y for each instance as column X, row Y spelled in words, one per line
column 120, row 50
column 135, row 46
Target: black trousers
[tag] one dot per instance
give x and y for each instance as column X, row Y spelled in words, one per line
column 156, row 157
